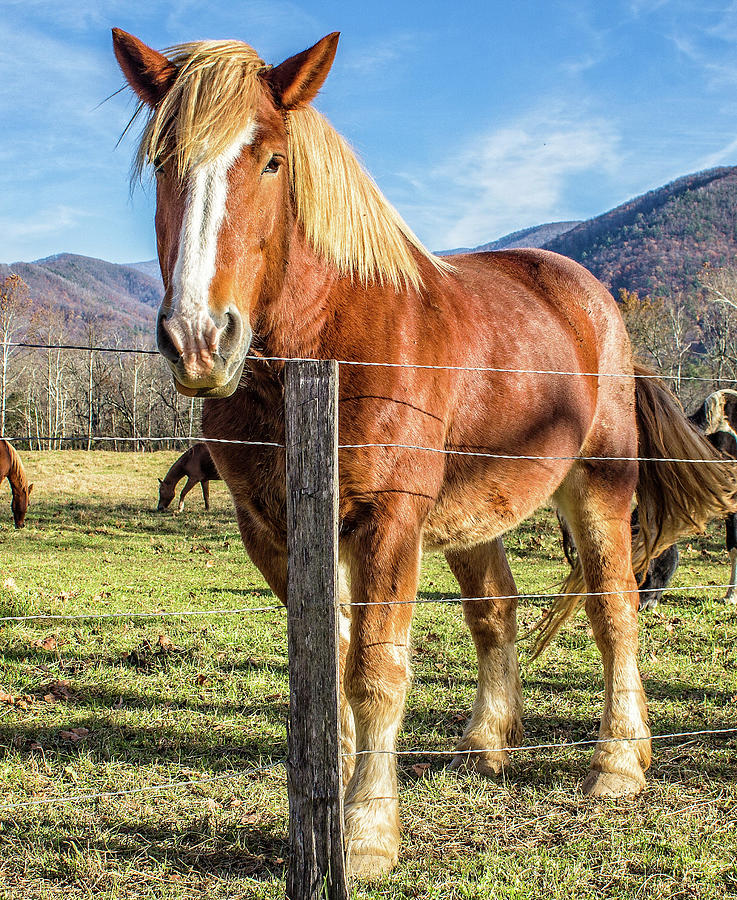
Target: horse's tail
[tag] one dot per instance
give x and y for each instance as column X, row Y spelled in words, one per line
column 683, row 483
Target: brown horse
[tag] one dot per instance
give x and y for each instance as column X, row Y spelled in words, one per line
column 273, row 240
column 12, row 468
column 197, row 466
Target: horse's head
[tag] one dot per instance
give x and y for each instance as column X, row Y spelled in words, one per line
column 19, row 505
column 166, row 495
column 217, row 136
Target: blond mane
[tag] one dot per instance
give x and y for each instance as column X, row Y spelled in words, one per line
column 344, row 215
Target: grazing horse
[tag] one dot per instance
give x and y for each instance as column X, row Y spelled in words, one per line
column 197, row 465
column 273, row 242
column 12, row 468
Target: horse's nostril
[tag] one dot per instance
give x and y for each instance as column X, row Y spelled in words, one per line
column 232, row 335
column 164, row 341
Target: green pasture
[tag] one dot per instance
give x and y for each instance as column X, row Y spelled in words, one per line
column 124, row 706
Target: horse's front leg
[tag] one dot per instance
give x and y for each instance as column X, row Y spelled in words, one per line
column 185, row 490
column 384, row 572
column 483, row 574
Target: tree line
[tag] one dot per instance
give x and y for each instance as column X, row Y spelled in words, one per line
column 53, row 398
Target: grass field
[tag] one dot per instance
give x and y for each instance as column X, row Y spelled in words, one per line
column 116, row 705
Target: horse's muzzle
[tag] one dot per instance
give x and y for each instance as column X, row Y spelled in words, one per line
column 203, row 372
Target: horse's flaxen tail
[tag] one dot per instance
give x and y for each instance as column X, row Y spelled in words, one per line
column 675, row 496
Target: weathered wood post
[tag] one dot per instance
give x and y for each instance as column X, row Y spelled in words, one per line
column 317, row 862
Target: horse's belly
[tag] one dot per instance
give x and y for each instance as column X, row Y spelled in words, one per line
column 476, row 512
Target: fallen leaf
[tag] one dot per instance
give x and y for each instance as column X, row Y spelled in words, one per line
column 420, row 768
column 235, row 803
column 202, row 679
column 61, row 689
column 73, row 735
column 49, row 643
column 165, row 642
column 10, row 585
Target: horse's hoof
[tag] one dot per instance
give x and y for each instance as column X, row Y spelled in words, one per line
column 370, row 865
column 488, row 764
column 612, row 784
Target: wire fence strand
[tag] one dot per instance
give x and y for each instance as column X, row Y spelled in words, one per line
column 563, row 745
column 385, row 365
column 146, row 789
column 418, row 601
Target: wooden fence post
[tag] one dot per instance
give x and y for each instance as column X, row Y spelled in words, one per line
column 317, row 862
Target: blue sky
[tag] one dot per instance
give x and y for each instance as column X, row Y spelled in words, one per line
column 476, row 118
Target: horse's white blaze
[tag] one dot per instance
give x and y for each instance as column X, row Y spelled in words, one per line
column 207, row 197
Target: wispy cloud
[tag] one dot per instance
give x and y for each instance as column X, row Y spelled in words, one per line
column 516, row 175
column 48, row 221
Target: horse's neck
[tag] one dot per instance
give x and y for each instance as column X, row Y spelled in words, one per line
column 175, row 473
column 293, row 324
column 16, row 473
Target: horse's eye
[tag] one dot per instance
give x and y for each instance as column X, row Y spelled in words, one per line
column 272, row 165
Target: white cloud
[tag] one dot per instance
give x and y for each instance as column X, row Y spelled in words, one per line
column 515, row 176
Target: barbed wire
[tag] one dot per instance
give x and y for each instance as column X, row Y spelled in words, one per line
column 564, row 745
column 671, row 459
column 229, row 776
column 141, row 439
column 152, row 788
column 389, row 365
column 159, row 614
column 418, row 601
column 389, row 446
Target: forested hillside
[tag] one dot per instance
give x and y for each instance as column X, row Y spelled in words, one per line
column 75, row 293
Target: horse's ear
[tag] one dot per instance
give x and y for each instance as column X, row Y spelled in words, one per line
column 148, row 72
column 297, row 80
column 30, row 488
column 161, row 480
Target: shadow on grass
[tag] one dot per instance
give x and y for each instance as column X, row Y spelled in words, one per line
column 231, row 850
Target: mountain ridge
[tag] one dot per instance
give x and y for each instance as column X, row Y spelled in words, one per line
column 655, row 243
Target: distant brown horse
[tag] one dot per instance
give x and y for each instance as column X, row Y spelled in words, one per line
column 12, row 468
column 197, row 465
column 272, row 239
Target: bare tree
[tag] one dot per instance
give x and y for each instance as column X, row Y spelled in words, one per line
column 14, row 319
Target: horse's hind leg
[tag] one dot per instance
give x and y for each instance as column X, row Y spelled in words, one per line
column 595, row 499
column 496, row 719
column 205, row 485
column 730, row 525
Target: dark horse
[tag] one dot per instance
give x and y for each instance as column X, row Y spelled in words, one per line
column 273, row 242
column 12, row 468
column 197, row 465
